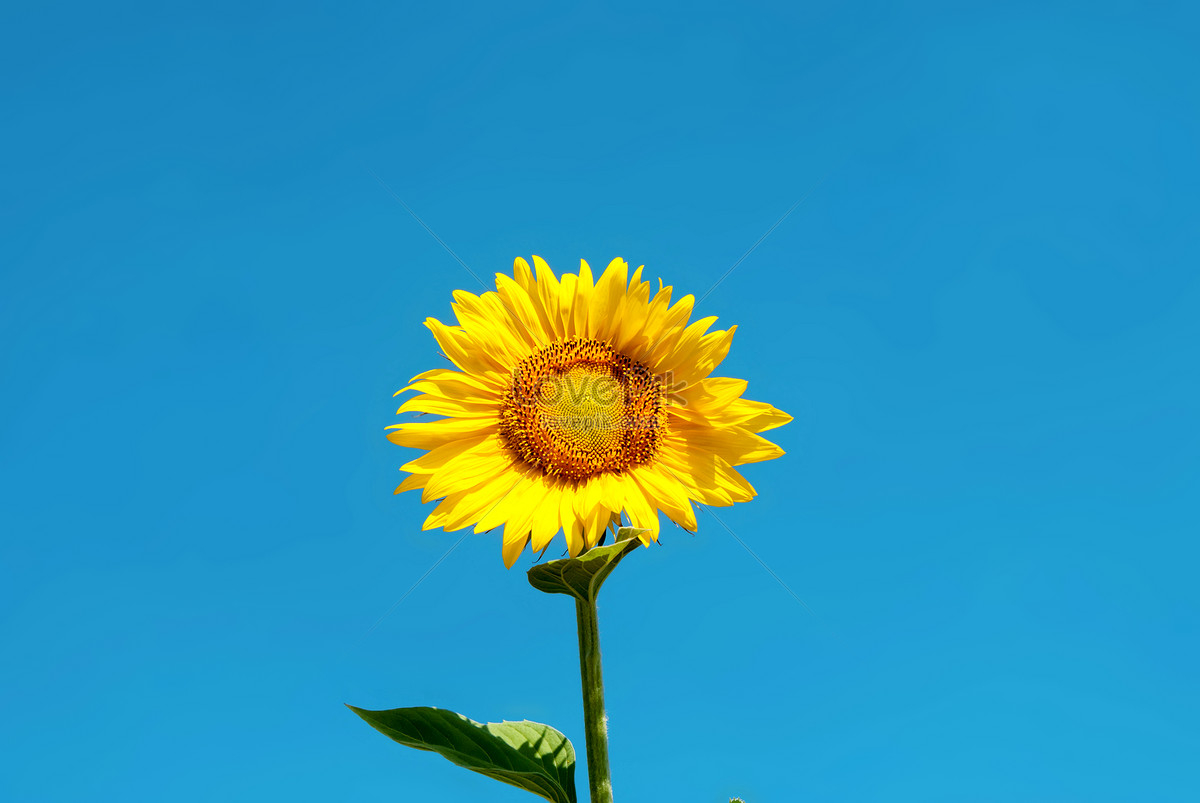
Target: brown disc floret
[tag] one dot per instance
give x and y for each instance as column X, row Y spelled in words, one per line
column 578, row 408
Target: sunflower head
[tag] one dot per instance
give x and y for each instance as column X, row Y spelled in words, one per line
column 575, row 403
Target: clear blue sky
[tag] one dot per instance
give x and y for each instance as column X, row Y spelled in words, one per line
column 984, row 317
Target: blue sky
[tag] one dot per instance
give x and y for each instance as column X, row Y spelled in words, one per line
column 983, row 316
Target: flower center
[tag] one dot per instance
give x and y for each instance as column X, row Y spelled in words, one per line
column 578, row 408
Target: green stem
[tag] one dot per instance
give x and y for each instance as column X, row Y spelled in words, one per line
column 595, row 722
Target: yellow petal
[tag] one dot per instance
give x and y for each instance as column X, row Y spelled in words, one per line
column 734, row 444
column 571, row 523
column 607, row 298
column 490, row 326
column 684, row 347
column 453, row 389
column 639, row 343
column 546, row 523
column 432, row 434
column 635, row 281
column 514, row 545
column 424, row 403
column 707, row 476
column 521, row 520
column 437, row 458
column 456, row 383
column 456, row 345
column 467, row 470
column 566, row 304
column 712, row 394
column 548, row 292
column 508, row 505
column 411, row 483
column 612, row 492
column 709, row 353
column 755, row 416
column 590, row 509
column 674, row 324
column 641, row 512
column 522, row 275
column 668, row 494
column 586, row 497
column 469, row 506
column 633, row 317
column 523, row 310
column 583, row 299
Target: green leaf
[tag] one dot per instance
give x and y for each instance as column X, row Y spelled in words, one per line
column 528, row 755
column 582, row 577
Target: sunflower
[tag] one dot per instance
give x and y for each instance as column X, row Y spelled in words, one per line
column 577, row 401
